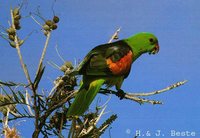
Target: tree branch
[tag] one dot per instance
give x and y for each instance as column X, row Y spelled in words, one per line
column 19, row 51
column 136, row 96
column 115, row 35
column 54, row 107
column 85, row 132
column 159, row 91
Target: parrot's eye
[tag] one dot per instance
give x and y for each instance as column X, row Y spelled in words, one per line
column 151, row 40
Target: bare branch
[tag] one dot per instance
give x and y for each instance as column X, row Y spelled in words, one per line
column 59, row 53
column 115, row 35
column 159, row 91
column 44, row 51
column 54, row 65
column 36, row 20
column 136, row 96
column 6, row 118
column 19, row 52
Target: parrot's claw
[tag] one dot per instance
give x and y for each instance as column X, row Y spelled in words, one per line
column 120, row 94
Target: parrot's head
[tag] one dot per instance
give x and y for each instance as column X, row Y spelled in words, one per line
column 144, row 43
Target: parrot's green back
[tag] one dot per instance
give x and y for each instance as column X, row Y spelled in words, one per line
column 109, row 64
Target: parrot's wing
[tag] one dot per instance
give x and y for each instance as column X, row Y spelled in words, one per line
column 96, row 61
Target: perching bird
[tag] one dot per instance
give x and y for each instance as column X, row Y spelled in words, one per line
column 109, row 64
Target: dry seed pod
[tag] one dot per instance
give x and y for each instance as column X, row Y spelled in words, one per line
column 56, row 19
column 11, row 133
column 63, row 68
column 68, row 64
column 46, row 27
column 17, row 17
column 54, row 26
column 45, row 32
column 11, row 37
column 12, row 44
column 21, row 42
column 116, row 37
column 49, row 23
column 11, row 31
column 18, row 27
column 16, row 11
column 16, row 22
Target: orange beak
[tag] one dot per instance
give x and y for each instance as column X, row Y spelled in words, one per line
column 156, row 49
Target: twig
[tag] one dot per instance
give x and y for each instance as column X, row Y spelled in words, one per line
column 75, row 63
column 35, row 20
column 115, row 35
column 19, row 52
column 135, row 96
column 17, row 117
column 37, row 114
column 53, row 89
column 2, row 33
column 159, row 91
column 142, row 100
column 54, row 65
column 56, row 47
column 44, row 51
column 85, row 132
column 6, row 118
column 56, row 86
column 54, row 107
column 110, row 96
column 26, row 74
column 28, row 105
column 97, row 120
column 14, row 114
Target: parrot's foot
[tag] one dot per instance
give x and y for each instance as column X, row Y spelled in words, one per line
column 120, row 94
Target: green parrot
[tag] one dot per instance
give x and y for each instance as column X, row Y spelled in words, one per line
column 109, row 64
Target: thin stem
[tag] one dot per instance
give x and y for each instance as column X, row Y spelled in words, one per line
column 35, row 20
column 37, row 114
column 27, row 76
column 71, row 129
column 159, row 91
column 59, row 53
column 54, row 65
column 44, row 51
column 6, row 117
column 115, row 35
column 136, row 96
column 19, row 52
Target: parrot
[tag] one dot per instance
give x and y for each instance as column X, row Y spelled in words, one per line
column 109, row 64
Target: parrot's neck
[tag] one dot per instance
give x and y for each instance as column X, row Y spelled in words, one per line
column 136, row 50
column 136, row 53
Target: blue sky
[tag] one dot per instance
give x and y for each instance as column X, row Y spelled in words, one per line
column 88, row 23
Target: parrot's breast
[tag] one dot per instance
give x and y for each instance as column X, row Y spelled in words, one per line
column 122, row 66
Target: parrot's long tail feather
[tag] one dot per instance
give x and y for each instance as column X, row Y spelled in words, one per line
column 84, row 98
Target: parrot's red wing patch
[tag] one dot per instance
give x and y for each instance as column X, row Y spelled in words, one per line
column 122, row 66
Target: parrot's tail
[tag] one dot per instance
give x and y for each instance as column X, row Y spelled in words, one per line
column 84, row 98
